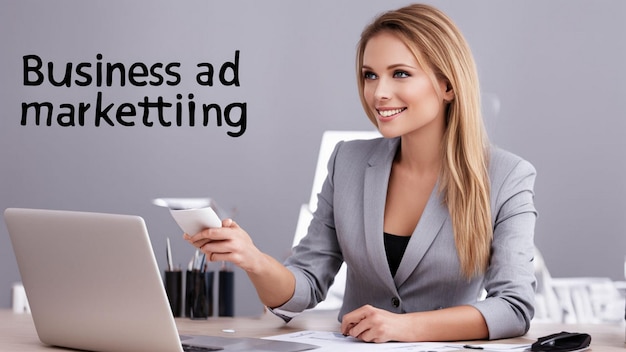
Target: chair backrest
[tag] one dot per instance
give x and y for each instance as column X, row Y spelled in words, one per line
column 334, row 297
column 327, row 145
column 575, row 300
column 329, row 140
column 547, row 305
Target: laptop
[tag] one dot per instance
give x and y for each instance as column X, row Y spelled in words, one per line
column 93, row 283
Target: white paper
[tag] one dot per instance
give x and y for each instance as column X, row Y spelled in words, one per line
column 334, row 341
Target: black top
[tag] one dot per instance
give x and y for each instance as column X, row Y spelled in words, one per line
column 395, row 247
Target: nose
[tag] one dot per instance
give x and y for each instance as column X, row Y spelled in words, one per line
column 382, row 90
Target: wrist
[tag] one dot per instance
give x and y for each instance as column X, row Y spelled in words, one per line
column 404, row 327
column 253, row 263
column 415, row 327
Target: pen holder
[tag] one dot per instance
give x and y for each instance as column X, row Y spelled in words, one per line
column 226, row 299
column 174, row 290
column 199, row 296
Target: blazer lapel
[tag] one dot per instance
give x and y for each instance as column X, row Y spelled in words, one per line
column 374, row 197
column 426, row 231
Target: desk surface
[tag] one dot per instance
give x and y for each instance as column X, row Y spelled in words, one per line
column 17, row 331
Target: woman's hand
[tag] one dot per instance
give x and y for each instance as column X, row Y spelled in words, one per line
column 376, row 325
column 227, row 243
column 274, row 283
column 458, row 323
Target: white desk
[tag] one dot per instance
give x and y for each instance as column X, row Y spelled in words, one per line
column 17, row 331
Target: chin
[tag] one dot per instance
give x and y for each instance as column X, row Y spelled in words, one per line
column 389, row 132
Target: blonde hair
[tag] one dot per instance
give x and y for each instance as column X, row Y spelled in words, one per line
column 440, row 49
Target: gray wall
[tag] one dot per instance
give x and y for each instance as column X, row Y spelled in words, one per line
column 551, row 71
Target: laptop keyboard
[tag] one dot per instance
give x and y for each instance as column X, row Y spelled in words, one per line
column 189, row 348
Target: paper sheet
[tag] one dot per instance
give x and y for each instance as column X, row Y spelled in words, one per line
column 334, row 341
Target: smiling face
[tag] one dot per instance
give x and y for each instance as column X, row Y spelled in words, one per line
column 398, row 91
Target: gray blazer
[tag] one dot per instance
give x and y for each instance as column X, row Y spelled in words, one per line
column 348, row 226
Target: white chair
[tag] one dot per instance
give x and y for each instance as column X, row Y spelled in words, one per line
column 334, row 298
column 576, row 300
column 548, row 308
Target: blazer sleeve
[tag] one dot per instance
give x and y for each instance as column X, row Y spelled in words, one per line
column 317, row 258
column 510, row 281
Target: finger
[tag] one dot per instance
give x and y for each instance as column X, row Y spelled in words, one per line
column 228, row 223
column 345, row 328
column 217, row 257
column 208, row 255
column 197, row 236
column 209, row 234
column 346, row 323
column 350, row 320
column 212, row 256
column 367, row 336
column 216, row 246
column 200, row 243
column 359, row 329
column 194, row 241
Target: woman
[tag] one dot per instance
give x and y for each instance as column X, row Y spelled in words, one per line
column 425, row 218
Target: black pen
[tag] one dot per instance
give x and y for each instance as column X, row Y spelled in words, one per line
column 471, row 347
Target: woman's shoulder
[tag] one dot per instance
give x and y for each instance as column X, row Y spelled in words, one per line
column 366, row 147
column 504, row 164
column 367, row 143
column 356, row 154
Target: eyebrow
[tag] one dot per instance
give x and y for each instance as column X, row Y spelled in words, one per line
column 390, row 67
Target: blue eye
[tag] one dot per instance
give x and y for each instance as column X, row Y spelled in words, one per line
column 368, row 75
column 401, row 74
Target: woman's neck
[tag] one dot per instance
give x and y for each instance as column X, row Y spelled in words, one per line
column 421, row 153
